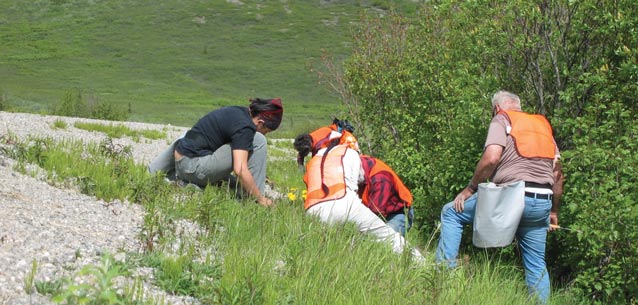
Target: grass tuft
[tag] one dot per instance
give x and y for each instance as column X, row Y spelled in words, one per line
column 119, row 130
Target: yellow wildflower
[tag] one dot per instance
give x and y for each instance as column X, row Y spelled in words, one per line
column 292, row 196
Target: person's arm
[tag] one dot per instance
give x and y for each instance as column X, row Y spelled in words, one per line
column 484, row 169
column 557, row 189
column 240, row 167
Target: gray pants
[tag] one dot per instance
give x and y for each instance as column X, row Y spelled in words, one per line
column 165, row 161
column 218, row 166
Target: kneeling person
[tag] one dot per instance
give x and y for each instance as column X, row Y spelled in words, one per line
column 383, row 192
column 229, row 139
column 332, row 178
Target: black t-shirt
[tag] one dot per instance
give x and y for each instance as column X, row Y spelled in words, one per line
column 225, row 125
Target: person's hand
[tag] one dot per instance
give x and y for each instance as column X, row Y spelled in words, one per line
column 553, row 221
column 459, row 201
column 265, row 201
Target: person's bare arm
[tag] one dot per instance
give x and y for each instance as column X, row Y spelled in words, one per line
column 557, row 189
column 240, row 167
column 484, row 169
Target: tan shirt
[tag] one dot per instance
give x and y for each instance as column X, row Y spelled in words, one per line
column 513, row 167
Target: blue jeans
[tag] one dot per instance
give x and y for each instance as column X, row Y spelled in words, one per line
column 531, row 235
column 398, row 222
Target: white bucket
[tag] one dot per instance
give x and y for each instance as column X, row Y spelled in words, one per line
column 498, row 212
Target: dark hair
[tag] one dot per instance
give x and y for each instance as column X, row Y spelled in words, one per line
column 269, row 110
column 343, row 124
column 303, row 145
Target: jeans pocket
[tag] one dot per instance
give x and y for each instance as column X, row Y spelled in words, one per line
column 536, row 213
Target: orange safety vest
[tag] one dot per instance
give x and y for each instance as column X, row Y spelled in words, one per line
column 329, row 135
column 325, row 178
column 380, row 166
column 532, row 134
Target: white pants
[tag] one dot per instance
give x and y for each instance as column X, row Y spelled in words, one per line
column 350, row 208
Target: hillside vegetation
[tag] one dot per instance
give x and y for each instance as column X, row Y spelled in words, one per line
column 172, row 61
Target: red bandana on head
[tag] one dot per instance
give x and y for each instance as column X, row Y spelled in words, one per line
column 272, row 118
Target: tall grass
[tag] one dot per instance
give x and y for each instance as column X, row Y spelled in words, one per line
column 241, row 253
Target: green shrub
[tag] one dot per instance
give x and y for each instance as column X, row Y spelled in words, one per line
column 419, row 92
column 75, row 104
column 599, row 253
column 419, row 108
column 71, row 104
column 106, row 111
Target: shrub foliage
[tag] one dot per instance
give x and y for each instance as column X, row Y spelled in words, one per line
column 76, row 104
column 420, row 89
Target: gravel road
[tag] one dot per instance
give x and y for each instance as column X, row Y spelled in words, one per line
column 62, row 229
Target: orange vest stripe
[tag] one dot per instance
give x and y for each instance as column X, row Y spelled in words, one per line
column 320, row 138
column 333, row 177
column 328, row 135
column 532, row 135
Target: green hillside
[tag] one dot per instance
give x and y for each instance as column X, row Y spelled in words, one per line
column 172, row 61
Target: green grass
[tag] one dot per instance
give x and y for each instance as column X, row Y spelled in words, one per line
column 59, row 124
column 246, row 254
column 119, row 130
column 172, row 61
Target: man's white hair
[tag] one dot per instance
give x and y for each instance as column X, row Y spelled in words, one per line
column 504, row 96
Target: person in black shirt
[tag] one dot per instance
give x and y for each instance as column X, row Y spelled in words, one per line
column 228, row 139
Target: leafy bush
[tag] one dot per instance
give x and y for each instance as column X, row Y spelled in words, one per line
column 599, row 254
column 419, row 106
column 106, row 111
column 419, row 91
column 71, row 104
column 75, row 104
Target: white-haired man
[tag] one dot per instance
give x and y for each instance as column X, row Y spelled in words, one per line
column 519, row 147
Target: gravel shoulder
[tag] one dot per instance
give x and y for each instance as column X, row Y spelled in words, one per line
column 62, row 229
